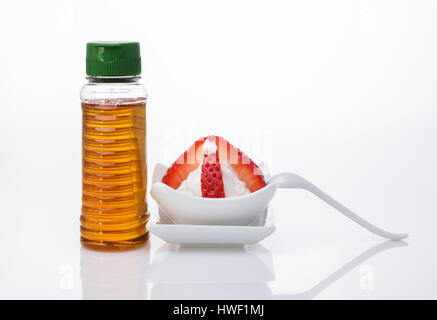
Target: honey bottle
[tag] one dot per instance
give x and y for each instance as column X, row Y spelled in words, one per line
column 114, row 169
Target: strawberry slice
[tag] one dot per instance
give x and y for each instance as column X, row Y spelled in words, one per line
column 211, row 178
column 246, row 169
column 187, row 162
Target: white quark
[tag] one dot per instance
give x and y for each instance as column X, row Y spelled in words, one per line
column 209, row 147
column 191, row 185
column 232, row 184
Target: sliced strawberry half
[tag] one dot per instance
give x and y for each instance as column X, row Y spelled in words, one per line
column 187, row 162
column 211, row 178
column 246, row 169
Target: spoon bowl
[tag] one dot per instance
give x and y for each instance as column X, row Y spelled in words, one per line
column 184, row 208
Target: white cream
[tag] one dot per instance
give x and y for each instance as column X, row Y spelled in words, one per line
column 232, row 184
column 209, row 147
column 191, row 185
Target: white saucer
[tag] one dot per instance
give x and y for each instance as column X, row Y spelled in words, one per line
column 212, row 235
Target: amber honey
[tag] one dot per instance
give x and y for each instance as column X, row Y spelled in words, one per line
column 114, row 175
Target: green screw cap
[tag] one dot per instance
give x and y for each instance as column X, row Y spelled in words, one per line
column 111, row 59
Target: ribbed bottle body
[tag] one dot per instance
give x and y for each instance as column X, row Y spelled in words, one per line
column 114, row 169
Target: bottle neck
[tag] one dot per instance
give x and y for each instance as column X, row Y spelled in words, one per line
column 123, row 79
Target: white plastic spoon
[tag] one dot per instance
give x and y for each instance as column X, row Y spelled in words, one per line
column 183, row 208
column 293, row 181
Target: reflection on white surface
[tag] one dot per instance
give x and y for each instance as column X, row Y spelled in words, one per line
column 346, row 268
column 114, row 275
column 232, row 273
column 211, row 273
column 184, row 272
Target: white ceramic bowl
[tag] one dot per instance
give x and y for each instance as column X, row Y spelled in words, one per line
column 184, row 208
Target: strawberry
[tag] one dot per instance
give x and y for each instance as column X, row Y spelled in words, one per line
column 211, row 178
column 246, row 169
column 187, row 162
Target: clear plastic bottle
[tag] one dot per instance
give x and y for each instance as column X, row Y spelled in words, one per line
column 114, row 169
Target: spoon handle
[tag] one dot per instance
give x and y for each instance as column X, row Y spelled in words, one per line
column 291, row 180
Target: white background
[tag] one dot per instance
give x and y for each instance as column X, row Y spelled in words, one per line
column 341, row 92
